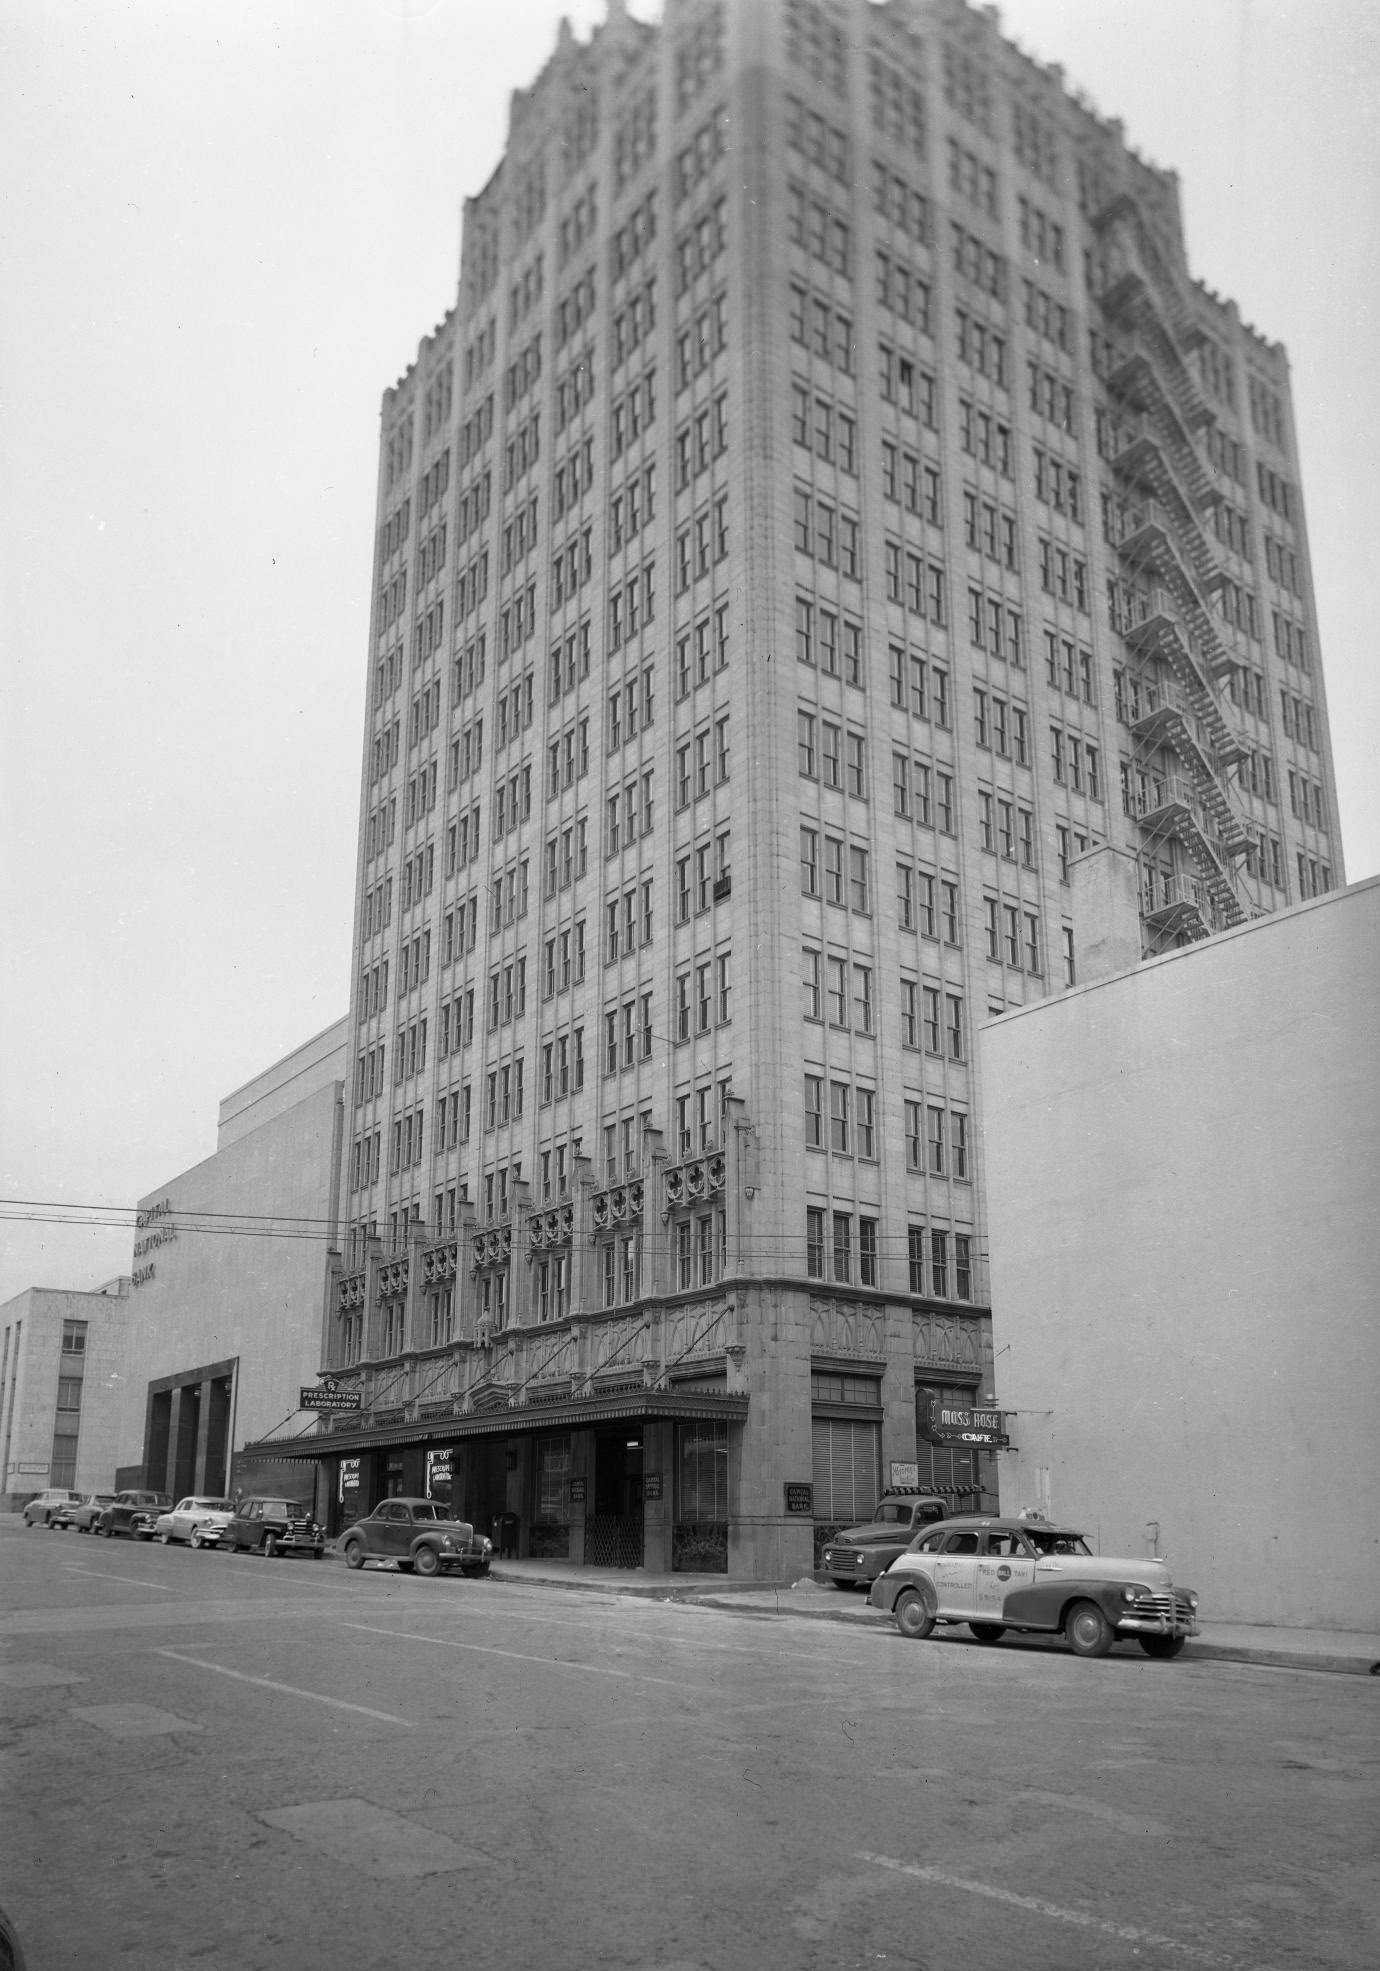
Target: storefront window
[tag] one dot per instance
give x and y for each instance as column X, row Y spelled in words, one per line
column 553, row 1479
column 702, row 1471
column 700, row 1533
column 439, row 1480
column 847, row 1459
column 550, row 1539
column 965, row 1474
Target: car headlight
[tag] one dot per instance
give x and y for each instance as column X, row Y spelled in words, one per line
column 486, row 1546
column 448, row 1540
column 1135, row 1593
column 1192, row 1600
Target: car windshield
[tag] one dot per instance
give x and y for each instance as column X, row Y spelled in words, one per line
column 426, row 1511
column 276, row 1506
column 1046, row 1541
column 892, row 1515
column 210, row 1505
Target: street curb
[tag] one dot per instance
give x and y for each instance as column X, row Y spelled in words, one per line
column 654, row 1590
column 1283, row 1659
column 729, row 1599
column 1198, row 1651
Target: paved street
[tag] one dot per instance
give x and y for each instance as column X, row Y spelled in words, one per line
column 234, row 1764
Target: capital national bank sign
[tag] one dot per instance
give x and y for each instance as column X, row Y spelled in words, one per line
column 154, row 1226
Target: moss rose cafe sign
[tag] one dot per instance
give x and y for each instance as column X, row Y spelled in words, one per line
column 948, row 1425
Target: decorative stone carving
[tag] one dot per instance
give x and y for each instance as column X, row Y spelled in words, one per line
column 695, row 1180
column 847, row 1327
column 547, row 1230
column 696, row 1329
column 439, row 1263
column 390, row 1388
column 947, row 1341
column 491, row 1245
column 619, row 1205
column 554, row 1359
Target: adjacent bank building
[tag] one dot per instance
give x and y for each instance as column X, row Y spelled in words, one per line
column 830, row 507
column 224, row 1314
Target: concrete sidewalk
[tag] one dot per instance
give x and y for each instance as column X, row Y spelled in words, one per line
column 1334, row 1650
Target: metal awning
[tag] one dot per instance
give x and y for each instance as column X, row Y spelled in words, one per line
column 569, row 1413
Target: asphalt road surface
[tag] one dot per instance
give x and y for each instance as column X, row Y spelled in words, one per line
column 216, row 1763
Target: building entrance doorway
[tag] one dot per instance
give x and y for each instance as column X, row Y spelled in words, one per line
column 613, row 1530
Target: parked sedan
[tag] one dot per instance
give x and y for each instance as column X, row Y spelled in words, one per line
column 1000, row 1574
column 43, row 1510
column 273, row 1526
column 200, row 1522
column 420, row 1536
column 85, row 1513
column 133, row 1513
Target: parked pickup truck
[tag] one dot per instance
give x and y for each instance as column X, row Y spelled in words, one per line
column 858, row 1554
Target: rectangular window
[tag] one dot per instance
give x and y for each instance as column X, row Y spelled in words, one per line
column 814, row 1243
column 810, row 984
column 843, row 1245
column 839, row 1136
column 864, row 1127
column 814, row 1112
column 809, row 862
column 915, row 1256
column 867, row 1252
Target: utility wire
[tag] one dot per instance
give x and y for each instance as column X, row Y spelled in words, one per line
column 304, row 1226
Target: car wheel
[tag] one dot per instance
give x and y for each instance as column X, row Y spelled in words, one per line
column 425, row 1561
column 914, row 1616
column 354, row 1553
column 194, row 1537
column 1087, row 1629
column 987, row 1632
column 270, row 1547
column 1162, row 1645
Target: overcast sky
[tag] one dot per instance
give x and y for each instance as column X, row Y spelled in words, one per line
column 224, row 228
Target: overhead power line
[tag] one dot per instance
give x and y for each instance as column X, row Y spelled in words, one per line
column 324, row 1231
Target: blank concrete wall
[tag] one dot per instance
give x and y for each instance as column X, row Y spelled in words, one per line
column 1184, row 1186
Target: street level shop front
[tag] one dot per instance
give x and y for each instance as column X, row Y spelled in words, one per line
column 629, row 1478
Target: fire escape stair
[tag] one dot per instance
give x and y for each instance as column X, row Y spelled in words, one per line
column 1173, row 808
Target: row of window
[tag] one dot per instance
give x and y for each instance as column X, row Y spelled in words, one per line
column 831, row 754
column 939, row 1263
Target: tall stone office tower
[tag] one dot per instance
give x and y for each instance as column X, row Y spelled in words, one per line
column 831, row 532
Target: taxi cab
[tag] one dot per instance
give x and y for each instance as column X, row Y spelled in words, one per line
column 1025, row 1574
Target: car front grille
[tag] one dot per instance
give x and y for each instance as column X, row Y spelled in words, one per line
column 1162, row 1606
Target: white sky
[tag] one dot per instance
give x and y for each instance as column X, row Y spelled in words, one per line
column 223, row 230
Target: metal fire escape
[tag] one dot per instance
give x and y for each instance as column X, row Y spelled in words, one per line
column 1183, row 648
